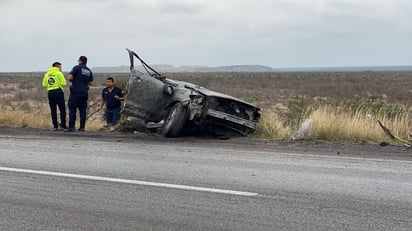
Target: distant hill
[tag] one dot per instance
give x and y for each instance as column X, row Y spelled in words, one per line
column 194, row 68
column 251, row 68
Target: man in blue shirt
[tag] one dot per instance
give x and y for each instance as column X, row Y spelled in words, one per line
column 81, row 77
column 111, row 96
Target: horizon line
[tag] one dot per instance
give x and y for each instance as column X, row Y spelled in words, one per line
column 337, row 67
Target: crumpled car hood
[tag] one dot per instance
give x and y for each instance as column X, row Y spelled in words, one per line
column 221, row 95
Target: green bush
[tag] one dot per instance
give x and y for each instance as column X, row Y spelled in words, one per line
column 250, row 99
column 299, row 109
column 122, row 84
column 373, row 106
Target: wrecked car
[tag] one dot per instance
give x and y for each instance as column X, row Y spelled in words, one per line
column 176, row 107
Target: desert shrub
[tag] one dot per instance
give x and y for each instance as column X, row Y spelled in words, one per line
column 372, row 105
column 25, row 106
column 299, row 109
column 94, row 95
column 250, row 99
column 122, row 84
column 392, row 110
column 32, row 95
column 20, row 96
column 40, row 96
column 7, row 88
column 30, row 83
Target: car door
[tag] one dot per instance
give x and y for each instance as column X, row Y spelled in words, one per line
column 145, row 97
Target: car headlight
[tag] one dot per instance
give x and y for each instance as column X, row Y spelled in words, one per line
column 169, row 90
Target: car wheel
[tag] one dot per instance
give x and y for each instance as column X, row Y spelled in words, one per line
column 175, row 120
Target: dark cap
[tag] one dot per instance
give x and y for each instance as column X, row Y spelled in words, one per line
column 83, row 59
column 56, row 64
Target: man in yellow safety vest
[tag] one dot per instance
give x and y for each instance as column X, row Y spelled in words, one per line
column 55, row 82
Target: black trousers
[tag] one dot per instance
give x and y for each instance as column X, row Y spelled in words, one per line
column 56, row 99
column 77, row 100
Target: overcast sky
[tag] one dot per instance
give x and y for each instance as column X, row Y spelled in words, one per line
column 276, row 33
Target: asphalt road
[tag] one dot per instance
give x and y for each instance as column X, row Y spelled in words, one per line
column 86, row 182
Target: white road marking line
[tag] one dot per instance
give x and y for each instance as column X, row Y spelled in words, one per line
column 126, row 181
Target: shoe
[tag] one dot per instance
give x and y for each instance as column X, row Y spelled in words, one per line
column 112, row 128
column 69, row 130
column 81, row 130
column 55, row 129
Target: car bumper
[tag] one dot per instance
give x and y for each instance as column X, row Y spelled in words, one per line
column 231, row 118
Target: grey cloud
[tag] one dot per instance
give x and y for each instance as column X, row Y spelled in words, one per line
column 213, row 32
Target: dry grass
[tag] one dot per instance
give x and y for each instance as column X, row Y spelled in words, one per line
column 37, row 119
column 334, row 124
column 21, row 118
column 271, row 126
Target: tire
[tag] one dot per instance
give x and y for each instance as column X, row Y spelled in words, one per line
column 175, row 121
